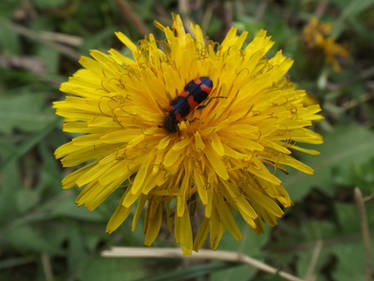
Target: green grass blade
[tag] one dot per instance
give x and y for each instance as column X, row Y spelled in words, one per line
column 35, row 139
column 190, row 272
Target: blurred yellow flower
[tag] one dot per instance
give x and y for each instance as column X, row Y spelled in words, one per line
column 224, row 156
column 316, row 37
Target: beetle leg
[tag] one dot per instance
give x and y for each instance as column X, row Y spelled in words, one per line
column 210, row 99
column 190, row 121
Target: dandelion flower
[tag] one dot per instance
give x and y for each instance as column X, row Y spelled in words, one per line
column 316, row 37
column 222, row 160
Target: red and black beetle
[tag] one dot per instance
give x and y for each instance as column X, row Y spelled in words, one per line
column 193, row 94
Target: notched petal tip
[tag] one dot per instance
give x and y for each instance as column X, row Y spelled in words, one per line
column 262, row 33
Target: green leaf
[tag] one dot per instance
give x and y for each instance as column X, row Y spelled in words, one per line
column 351, row 261
column 50, row 57
column 26, row 199
column 65, row 207
column 249, row 24
column 345, row 146
column 36, row 82
column 97, row 39
column 27, row 145
column 189, row 273
column 26, row 112
column 27, row 238
column 10, row 184
column 6, row 263
column 343, row 242
column 77, row 252
column 351, row 10
column 251, row 244
column 113, row 269
column 48, row 3
column 9, row 40
column 50, row 174
column 7, row 8
column 357, row 175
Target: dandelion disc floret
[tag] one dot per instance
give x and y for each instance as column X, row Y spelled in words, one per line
column 224, row 155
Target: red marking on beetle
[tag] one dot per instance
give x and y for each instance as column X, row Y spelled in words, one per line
column 184, row 94
column 205, row 88
column 197, row 81
column 191, row 101
column 178, row 116
column 170, row 108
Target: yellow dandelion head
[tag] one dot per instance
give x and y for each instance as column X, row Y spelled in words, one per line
column 316, row 37
column 223, row 156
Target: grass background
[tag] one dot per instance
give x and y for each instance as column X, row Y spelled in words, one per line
column 44, row 236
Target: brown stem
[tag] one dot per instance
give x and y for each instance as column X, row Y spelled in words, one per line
column 34, row 35
column 320, row 9
column 120, row 252
column 365, row 231
column 47, row 267
column 261, row 9
column 128, row 13
column 368, row 198
column 353, row 103
column 67, row 39
column 310, row 275
column 227, row 16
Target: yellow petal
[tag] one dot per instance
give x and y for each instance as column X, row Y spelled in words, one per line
column 216, row 162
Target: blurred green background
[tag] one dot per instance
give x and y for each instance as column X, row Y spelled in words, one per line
column 44, row 236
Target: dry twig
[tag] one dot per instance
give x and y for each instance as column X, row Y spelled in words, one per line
column 365, row 232
column 353, row 103
column 364, row 74
column 120, row 252
column 67, row 39
column 208, row 15
column 185, row 10
column 29, row 63
column 368, row 198
column 33, row 35
column 320, row 9
column 132, row 16
column 261, row 9
column 227, row 16
column 47, row 267
column 310, row 275
column 164, row 16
